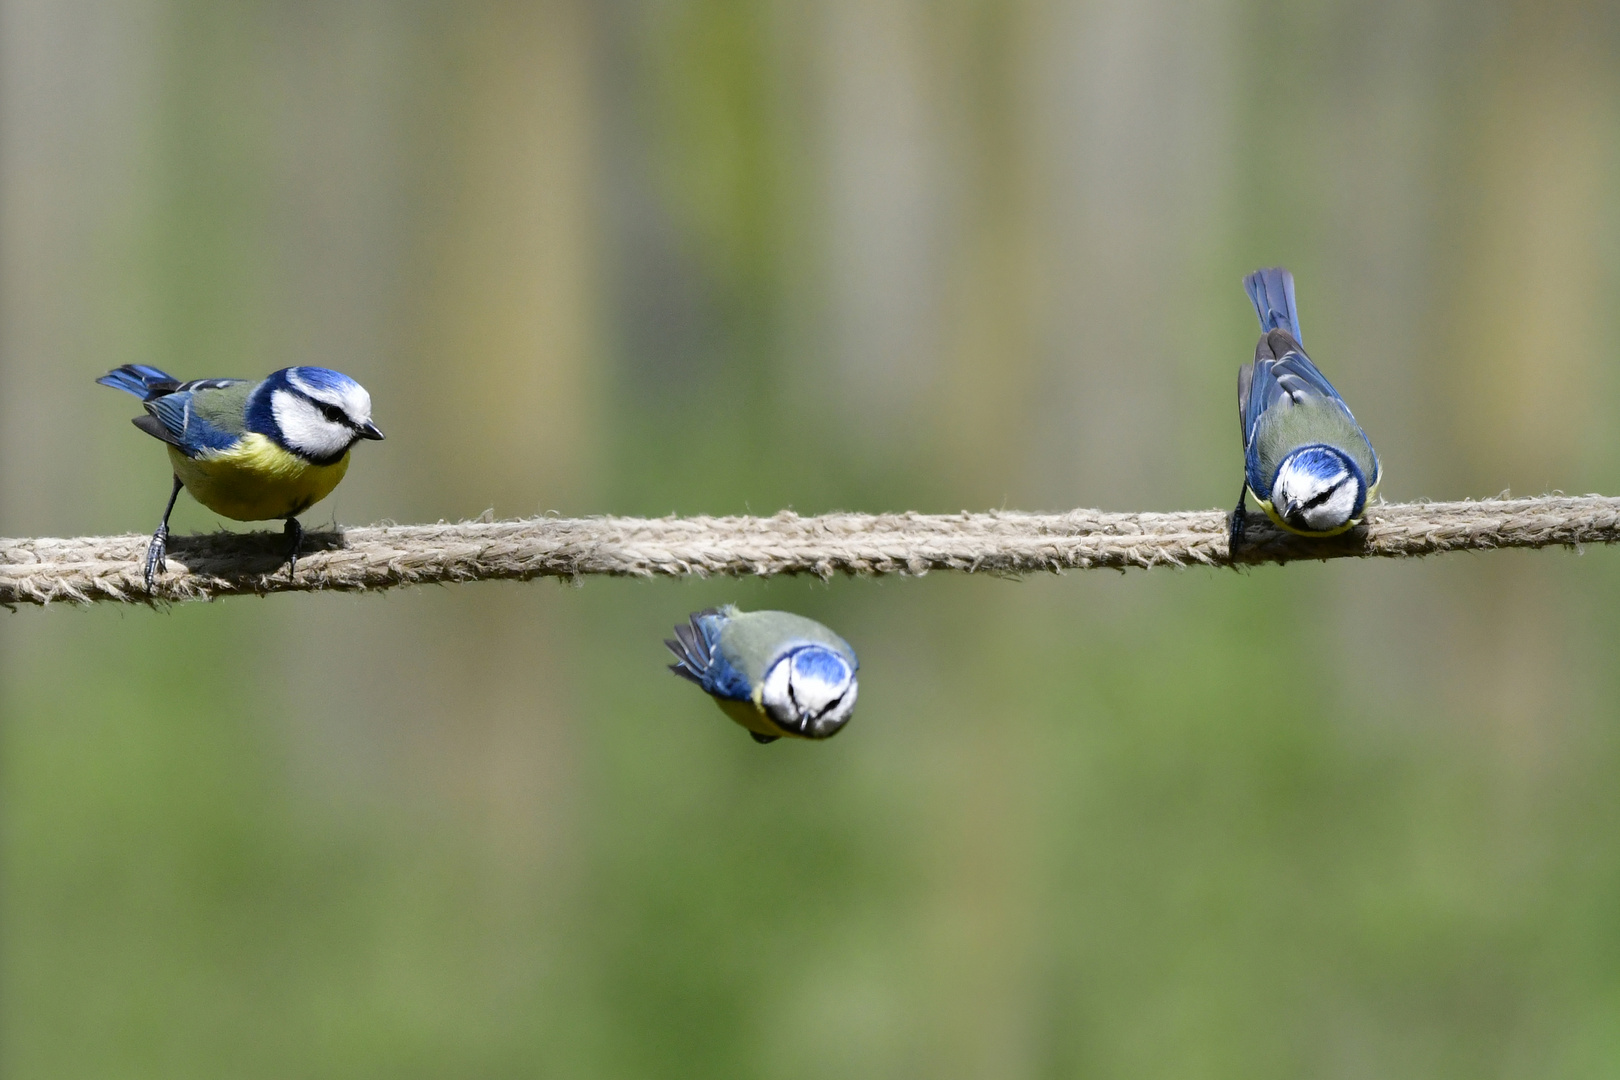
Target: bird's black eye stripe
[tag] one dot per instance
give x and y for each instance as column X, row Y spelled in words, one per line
column 1322, row 497
column 332, row 413
column 830, row 706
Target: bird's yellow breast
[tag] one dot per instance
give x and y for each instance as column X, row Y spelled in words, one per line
column 751, row 715
column 256, row 480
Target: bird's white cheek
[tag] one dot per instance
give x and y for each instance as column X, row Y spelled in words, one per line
column 774, row 695
column 1295, row 485
column 839, row 714
column 305, row 430
column 1335, row 510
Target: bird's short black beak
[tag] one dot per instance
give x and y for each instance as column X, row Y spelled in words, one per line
column 368, row 430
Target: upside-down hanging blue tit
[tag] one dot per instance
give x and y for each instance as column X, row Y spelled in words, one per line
column 252, row 451
column 1305, row 459
column 775, row 673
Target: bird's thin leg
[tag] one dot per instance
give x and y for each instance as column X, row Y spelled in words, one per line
column 1234, row 537
column 158, row 549
column 294, row 533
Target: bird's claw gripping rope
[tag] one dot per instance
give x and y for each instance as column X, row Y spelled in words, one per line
column 157, row 551
column 1234, row 534
column 294, row 532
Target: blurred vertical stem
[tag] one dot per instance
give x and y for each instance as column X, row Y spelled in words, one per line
column 713, row 142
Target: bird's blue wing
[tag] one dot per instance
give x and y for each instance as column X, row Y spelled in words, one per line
column 210, row 384
column 1291, row 376
column 183, row 427
column 1264, row 392
column 1297, row 377
column 697, row 657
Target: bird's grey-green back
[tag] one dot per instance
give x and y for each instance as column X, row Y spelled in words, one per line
column 750, row 640
column 225, row 407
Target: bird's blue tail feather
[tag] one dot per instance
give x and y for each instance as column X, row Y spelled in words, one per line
column 139, row 379
column 1272, row 292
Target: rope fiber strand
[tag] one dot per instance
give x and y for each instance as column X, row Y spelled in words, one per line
column 88, row 569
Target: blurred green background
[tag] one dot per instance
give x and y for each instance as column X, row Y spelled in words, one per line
column 653, row 256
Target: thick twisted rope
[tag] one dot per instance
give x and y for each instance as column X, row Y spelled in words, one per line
column 86, row 569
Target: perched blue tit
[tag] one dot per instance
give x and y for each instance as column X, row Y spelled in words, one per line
column 775, row 673
column 252, row 451
column 1306, row 460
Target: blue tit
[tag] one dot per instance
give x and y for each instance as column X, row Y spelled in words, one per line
column 1306, row 460
column 775, row 673
column 252, row 451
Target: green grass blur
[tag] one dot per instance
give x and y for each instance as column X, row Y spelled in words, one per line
column 1335, row 820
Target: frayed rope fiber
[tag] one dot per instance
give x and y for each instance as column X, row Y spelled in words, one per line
column 87, row 569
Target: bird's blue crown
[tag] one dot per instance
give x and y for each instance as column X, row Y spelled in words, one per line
column 313, row 380
column 1321, row 462
column 821, row 662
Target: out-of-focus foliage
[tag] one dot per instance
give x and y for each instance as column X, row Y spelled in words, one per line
column 715, row 256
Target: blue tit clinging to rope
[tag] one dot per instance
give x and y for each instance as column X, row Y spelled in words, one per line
column 252, row 451
column 775, row 673
column 1305, row 459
